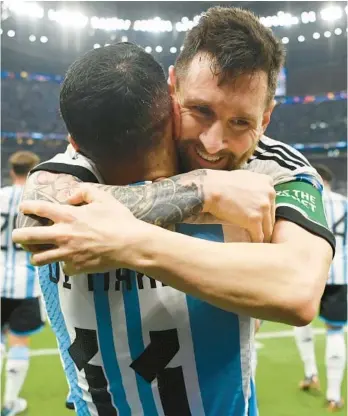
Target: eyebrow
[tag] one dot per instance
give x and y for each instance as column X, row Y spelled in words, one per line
column 202, row 101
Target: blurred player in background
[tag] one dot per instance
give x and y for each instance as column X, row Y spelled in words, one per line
column 20, row 304
column 333, row 306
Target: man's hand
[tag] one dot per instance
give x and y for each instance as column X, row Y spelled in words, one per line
column 242, row 198
column 87, row 238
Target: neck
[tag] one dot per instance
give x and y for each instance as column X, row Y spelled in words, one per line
column 20, row 181
column 160, row 163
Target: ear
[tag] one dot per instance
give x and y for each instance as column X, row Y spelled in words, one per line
column 73, row 144
column 176, row 117
column 267, row 115
column 171, row 80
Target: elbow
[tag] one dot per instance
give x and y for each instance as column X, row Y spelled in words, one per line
column 301, row 301
column 298, row 310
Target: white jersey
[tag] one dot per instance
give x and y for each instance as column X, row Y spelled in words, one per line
column 19, row 278
column 336, row 211
column 132, row 346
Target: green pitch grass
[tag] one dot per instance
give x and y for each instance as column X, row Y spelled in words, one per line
column 279, row 371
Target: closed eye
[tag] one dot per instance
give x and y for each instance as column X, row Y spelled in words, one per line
column 203, row 110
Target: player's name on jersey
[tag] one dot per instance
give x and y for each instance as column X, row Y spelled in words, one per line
column 304, row 198
column 120, row 279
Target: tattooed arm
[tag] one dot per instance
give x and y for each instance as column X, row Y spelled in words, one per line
column 162, row 203
column 242, row 198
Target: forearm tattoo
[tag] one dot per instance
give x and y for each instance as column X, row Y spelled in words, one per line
column 169, row 201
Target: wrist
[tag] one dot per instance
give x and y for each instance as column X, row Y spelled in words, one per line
column 210, row 192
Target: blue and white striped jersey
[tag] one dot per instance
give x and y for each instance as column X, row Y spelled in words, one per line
column 19, row 278
column 132, row 346
column 336, row 211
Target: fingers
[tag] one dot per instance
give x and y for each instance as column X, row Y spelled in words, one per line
column 267, row 226
column 255, row 231
column 35, row 235
column 87, row 194
column 48, row 256
column 47, row 211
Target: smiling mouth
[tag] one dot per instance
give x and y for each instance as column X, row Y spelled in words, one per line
column 207, row 156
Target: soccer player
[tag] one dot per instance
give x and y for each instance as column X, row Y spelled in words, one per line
column 20, row 304
column 137, row 346
column 333, row 305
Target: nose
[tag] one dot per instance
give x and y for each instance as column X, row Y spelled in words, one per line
column 214, row 139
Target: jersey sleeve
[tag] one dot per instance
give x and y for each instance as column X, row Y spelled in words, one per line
column 301, row 201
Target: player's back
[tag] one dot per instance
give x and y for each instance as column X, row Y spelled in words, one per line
column 18, row 278
column 336, row 210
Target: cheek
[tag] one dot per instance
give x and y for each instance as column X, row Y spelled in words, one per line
column 243, row 142
column 190, row 127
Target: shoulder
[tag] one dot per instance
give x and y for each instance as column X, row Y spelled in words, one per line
column 282, row 162
column 72, row 163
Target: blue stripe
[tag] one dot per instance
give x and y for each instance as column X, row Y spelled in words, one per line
column 107, row 346
column 335, row 331
column 333, row 323
column 28, row 333
column 7, row 239
column 30, row 277
column 253, row 409
column 14, row 252
column 51, row 295
column 137, row 346
column 216, row 341
column 332, row 270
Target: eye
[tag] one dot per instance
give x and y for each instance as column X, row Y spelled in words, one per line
column 203, row 110
column 239, row 123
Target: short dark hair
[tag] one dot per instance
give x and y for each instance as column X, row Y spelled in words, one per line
column 237, row 43
column 324, row 172
column 23, row 161
column 114, row 100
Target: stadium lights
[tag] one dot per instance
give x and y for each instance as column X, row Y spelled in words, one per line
column 301, row 38
column 181, row 48
column 158, row 49
column 110, row 23
column 26, row 8
column 327, row 34
column 331, row 13
column 1, row 31
column 11, row 33
column 285, row 40
column 338, row 31
column 32, row 38
column 148, row 49
column 155, row 25
column 68, row 18
column 316, row 35
column 281, row 19
column 43, row 39
column 107, row 44
column 173, row 49
column 308, row 17
column 124, row 39
column 96, row 46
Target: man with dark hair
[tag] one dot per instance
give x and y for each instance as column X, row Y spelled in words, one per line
column 333, row 305
column 180, row 347
column 20, row 304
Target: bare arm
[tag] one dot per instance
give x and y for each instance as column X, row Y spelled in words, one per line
column 283, row 281
column 162, row 203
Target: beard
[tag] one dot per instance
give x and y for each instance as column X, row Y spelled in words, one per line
column 187, row 162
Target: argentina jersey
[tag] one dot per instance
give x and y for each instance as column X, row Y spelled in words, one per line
column 336, row 212
column 132, row 346
column 18, row 276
